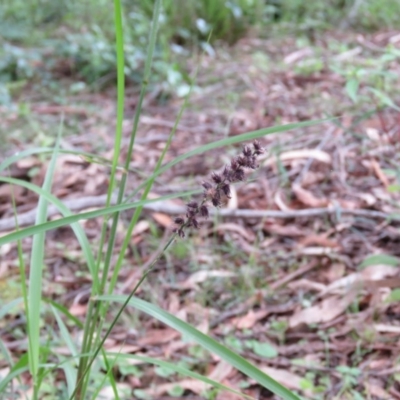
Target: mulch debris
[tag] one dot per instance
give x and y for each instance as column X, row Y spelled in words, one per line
column 297, row 294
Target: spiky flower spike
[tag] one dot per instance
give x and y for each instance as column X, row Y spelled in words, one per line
column 219, row 188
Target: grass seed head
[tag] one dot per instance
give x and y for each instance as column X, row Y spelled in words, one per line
column 214, row 192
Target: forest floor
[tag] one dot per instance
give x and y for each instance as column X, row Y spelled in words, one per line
column 308, row 287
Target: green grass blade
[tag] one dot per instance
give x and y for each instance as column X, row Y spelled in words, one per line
column 65, row 311
column 244, row 137
column 6, row 354
column 208, row 343
column 179, row 370
column 32, row 230
column 92, row 316
column 70, row 376
column 22, row 154
column 94, row 158
column 14, row 373
column 69, row 368
column 36, row 275
column 146, row 78
column 78, row 230
column 64, row 332
column 120, row 94
column 110, row 376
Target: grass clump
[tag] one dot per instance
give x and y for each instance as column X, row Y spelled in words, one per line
column 89, row 368
column 75, row 39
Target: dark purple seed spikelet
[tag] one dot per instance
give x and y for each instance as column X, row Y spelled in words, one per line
column 179, row 220
column 192, row 204
column 204, row 211
column 190, row 212
column 251, row 162
column 216, row 178
column 241, row 160
column 227, row 190
column 247, row 151
column 234, row 164
column 239, row 174
column 257, row 148
column 216, row 201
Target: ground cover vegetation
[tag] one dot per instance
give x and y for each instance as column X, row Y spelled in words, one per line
column 199, row 199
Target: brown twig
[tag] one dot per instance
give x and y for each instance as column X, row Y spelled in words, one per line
column 28, row 218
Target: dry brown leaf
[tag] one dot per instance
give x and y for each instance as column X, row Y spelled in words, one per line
column 78, row 310
column 376, row 391
column 349, row 54
column 307, row 285
column 376, row 272
column 373, row 134
column 230, row 226
column 325, row 311
column 334, row 272
column 284, row 230
column 201, row 276
column 280, row 203
column 315, row 154
column 73, row 179
column 379, row 173
column 228, row 396
column 307, row 198
column 7, row 192
column 193, row 385
column 320, row 240
column 158, row 336
column 312, row 178
column 247, row 321
column 368, row 274
column 379, row 364
column 381, row 194
column 293, row 275
column 284, row 377
column 174, row 303
column 298, row 55
column 197, row 309
column 4, row 272
column 368, row 198
column 27, row 162
column 263, row 245
column 221, row 371
column 172, row 348
column 163, row 219
column 96, row 178
column 140, row 227
column 204, row 326
column 316, row 251
column 387, row 328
